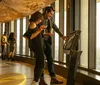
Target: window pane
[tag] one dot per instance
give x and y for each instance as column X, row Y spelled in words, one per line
column 84, row 33
column 12, row 26
column 98, row 38
column 65, row 25
column 56, row 35
column 18, row 37
column 3, row 27
column 24, row 40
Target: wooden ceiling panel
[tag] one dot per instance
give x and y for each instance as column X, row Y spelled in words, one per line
column 13, row 9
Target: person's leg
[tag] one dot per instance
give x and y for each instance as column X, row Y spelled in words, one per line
column 42, row 81
column 9, row 55
column 39, row 64
column 2, row 56
column 13, row 53
column 48, row 53
column 5, row 52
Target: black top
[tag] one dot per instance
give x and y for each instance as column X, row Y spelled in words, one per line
column 35, row 42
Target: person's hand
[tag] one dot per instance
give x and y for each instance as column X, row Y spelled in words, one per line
column 25, row 37
column 64, row 37
column 48, row 34
column 42, row 27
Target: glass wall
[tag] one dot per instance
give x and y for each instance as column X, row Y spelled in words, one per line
column 56, row 35
column 12, row 26
column 83, row 27
column 24, row 40
column 84, row 33
column 3, row 28
column 18, row 37
column 98, row 37
column 65, row 23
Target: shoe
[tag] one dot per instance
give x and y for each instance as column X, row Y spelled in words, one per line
column 42, row 82
column 34, row 83
column 55, row 81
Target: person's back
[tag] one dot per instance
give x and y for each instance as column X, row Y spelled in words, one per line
column 3, row 45
column 11, row 41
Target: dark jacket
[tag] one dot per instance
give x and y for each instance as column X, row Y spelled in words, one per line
column 52, row 25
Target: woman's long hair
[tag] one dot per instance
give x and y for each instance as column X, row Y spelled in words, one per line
column 11, row 36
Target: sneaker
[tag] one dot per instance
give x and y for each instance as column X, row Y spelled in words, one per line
column 42, row 82
column 34, row 83
column 55, row 81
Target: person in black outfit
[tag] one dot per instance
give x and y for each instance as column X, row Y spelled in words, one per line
column 48, row 21
column 36, row 44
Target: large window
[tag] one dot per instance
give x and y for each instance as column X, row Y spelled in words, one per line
column 59, row 14
column 56, row 35
column 65, row 19
column 12, row 26
column 98, row 37
column 84, row 33
column 24, row 40
column 18, row 37
column 3, row 27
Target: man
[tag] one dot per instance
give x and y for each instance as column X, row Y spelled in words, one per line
column 49, row 23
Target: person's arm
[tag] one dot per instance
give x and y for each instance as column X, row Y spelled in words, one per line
column 37, row 32
column 54, row 26
column 14, row 40
column 26, row 35
column 31, row 29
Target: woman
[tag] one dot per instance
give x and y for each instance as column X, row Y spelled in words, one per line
column 36, row 43
column 11, row 41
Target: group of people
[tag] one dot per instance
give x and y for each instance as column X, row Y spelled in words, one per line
column 10, row 42
column 39, row 35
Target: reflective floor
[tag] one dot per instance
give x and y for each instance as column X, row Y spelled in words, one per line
column 23, row 68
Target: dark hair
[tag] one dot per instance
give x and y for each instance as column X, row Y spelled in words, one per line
column 5, row 33
column 11, row 36
column 35, row 16
column 48, row 9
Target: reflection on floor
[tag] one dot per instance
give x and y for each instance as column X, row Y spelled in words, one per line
column 26, row 69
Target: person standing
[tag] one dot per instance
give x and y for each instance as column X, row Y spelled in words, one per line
column 36, row 43
column 4, row 46
column 12, row 42
column 47, row 36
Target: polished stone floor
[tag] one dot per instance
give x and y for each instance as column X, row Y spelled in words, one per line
column 24, row 68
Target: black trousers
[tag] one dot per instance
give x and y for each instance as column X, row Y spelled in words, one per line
column 39, row 62
column 3, row 56
column 48, row 54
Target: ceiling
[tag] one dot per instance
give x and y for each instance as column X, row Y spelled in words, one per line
column 13, row 9
column 98, row 0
